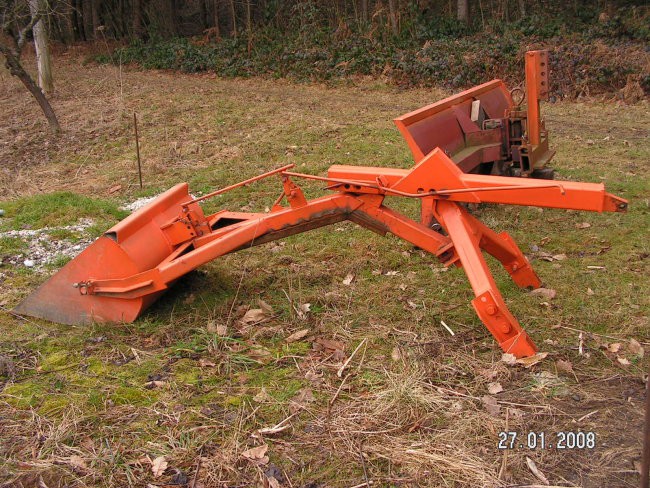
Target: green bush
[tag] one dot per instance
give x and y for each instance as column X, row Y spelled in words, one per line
column 587, row 56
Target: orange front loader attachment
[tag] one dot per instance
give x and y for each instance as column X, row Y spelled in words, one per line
column 467, row 149
column 125, row 270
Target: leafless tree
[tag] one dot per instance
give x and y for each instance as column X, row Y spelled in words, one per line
column 43, row 61
column 16, row 22
column 463, row 10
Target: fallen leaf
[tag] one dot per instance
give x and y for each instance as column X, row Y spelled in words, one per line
column 212, row 327
column 254, row 316
column 265, row 306
column 273, row 483
column 301, row 399
column 494, row 388
column 547, row 293
column 296, row 336
column 78, row 462
column 259, row 353
column 391, row 273
column 257, row 454
column 396, row 354
column 590, row 292
column 314, row 377
column 303, row 310
column 206, row 363
column 114, row 189
column 349, row 278
column 564, row 366
column 532, row 360
column 583, row 225
column 509, row 359
column 262, row 396
column 491, row 405
column 623, row 361
column 635, row 348
column 533, row 469
column 614, row 347
column 158, row 466
column 330, row 344
column 559, row 257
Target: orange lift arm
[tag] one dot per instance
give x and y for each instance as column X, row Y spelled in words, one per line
column 124, row 271
column 467, row 149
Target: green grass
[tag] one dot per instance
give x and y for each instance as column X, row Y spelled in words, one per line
column 100, row 375
column 57, row 209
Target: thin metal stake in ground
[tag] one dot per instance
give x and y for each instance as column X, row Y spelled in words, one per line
column 137, row 147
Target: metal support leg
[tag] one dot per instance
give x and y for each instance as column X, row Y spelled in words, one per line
column 489, row 304
column 505, row 249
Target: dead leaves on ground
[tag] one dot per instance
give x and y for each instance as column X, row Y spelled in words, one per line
column 158, row 466
column 547, row 293
column 297, row 336
column 618, row 349
column 257, row 455
column 495, row 388
column 511, row 359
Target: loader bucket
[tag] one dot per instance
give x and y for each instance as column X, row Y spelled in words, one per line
column 450, row 125
column 134, row 245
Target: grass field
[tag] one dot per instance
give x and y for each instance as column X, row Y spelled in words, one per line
column 179, row 396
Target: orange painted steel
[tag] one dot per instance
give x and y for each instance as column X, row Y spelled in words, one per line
column 132, row 264
column 127, row 268
column 483, row 130
column 536, row 90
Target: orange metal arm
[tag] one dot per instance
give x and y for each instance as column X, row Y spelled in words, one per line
column 438, row 172
column 489, row 304
column 536, row 89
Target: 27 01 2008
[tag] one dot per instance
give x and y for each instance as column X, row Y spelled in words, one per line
column 542, row 440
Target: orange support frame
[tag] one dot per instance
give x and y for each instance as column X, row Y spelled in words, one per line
column 125, row 270
column 536, row 90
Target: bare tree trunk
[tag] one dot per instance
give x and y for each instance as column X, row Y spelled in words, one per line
column 249, row 26
column 364, row 11
column 137, row 19
column 67, row 21
column 233, row 18
column 15, row 68
column 87, row 16
column 522, row 8
column 392, row 13
column 43, row 60
column 96, row 18
column 463, row 11
column 215, row 14
column 77, row 15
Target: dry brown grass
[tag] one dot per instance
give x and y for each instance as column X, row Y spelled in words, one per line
column 409, row 410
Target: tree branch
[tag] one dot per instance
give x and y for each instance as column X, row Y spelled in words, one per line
column 22, row 34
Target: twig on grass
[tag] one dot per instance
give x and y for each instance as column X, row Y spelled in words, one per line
column 331, row 402
column 198, row 468
column 339, row 373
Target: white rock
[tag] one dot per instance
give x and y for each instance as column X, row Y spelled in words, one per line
column 29, row 263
